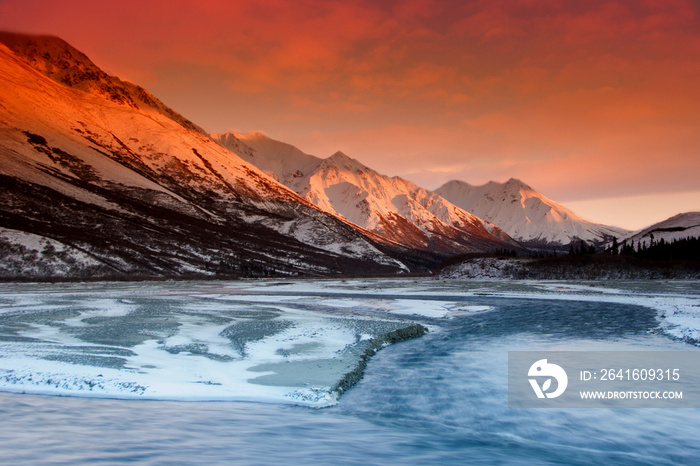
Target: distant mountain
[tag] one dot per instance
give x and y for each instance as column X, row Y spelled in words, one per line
column 681, row 226
column 99, row 178
column 393, row 208
column 283, row 161
column 525, row 214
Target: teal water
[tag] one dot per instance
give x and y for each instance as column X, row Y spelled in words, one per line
column 439, row 399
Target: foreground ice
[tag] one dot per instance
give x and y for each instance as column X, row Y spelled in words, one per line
column 281, row 342
column 181, row 342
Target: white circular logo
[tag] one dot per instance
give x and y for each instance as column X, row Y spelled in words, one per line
column 546, row 372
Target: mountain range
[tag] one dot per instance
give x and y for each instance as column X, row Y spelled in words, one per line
column 101, row 179
column 342, row 185
column 525, row 214
column 393, row 208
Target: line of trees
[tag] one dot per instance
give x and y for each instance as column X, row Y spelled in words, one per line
column 581, row 249
column 684, row 248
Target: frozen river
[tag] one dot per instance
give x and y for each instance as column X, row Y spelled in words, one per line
column 250, row 358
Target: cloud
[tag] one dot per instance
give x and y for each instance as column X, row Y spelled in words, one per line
column 572, row 97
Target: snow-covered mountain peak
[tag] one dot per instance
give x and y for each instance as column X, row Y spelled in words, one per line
column 51, row 55
column 345, row 162
column 524, row 213
column 339, row 155
column 64, row 64
column 254, row 136
column 512, row 184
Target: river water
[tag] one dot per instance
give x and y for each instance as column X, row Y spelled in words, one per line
column 438, row 399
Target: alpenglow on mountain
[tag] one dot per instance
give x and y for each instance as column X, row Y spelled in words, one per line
column 395, row 209
column 525, row 214
column 98, row 178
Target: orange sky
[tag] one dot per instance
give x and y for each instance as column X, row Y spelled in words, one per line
column 586, row 101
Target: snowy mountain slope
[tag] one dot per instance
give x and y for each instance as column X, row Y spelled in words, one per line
column 287, row 164
column 66, row 65
column 279, row 159
column 681, row 226
column 525, row 214
column 102, row 170
column 393, row 208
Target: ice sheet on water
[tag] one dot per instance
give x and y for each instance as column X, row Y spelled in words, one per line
column 182, row 343
column 676, row 301
column 282, row 342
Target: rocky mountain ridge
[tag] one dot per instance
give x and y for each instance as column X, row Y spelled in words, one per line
column 391, row 207
column 98, row 180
